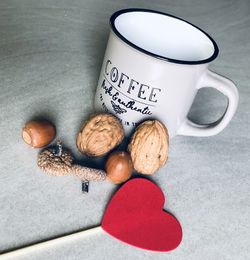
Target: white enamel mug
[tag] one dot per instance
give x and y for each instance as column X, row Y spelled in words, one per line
column 153, row 67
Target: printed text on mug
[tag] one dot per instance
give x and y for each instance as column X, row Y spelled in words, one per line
column 131, row 86
column 126, row 93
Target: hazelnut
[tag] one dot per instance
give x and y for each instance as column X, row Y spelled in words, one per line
column 119, row 167
column 99, row 135
column 149, row 147
column 38, row 133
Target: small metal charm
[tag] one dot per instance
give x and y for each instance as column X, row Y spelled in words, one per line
column 85, row 186
column 58, row 149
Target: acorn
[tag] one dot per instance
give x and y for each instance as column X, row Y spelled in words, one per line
column 119, row 167
column 38, row 133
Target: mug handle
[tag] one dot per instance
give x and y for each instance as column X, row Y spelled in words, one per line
column 226, row 87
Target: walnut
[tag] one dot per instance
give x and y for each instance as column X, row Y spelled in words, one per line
column 149, row 147
column 99, row 135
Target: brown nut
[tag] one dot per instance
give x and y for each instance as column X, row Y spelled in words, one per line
column 149, row 147
column 99, row 135
column 119, row 167
column 38, row 133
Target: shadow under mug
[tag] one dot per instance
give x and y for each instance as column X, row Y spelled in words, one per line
column 154, row 65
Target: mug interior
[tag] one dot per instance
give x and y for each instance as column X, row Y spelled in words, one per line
column 164, row 36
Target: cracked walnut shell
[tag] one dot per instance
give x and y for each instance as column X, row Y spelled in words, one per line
column 99, row 135
column 149, row 147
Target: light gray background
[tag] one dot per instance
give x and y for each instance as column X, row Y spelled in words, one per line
column 50, row 57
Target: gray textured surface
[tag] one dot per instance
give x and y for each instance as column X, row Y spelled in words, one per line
column 50, row 57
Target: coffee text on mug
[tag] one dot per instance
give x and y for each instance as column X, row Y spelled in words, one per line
column 115, row 96
column 130, row 85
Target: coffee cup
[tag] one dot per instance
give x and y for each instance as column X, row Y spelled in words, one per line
column 154, row 65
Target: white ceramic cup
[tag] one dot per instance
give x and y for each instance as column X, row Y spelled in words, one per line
column 153, row 67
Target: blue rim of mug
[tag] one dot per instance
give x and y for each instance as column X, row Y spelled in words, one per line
column 118, row 13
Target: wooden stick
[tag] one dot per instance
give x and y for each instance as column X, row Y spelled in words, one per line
column 50, row 243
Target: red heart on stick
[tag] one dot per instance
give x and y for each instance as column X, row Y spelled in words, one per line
column 135, row 216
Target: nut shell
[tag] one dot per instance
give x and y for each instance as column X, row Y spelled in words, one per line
column 149, row 147
column 38, row 133
column 119, row 167
column 99, row 135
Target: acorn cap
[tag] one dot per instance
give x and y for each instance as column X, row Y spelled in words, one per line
column 55, row 164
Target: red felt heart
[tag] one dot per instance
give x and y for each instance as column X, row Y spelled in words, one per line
column 135, row 216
